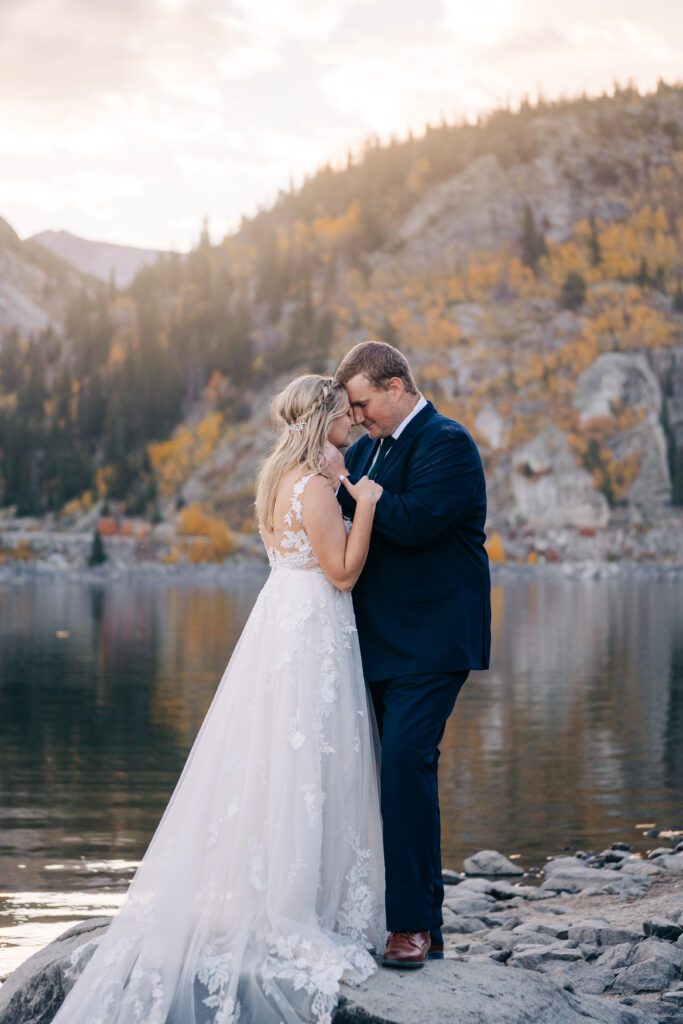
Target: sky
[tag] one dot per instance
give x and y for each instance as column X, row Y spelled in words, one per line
column 131, row 120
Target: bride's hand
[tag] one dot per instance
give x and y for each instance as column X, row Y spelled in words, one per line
column 334, row 463
column 366, row 490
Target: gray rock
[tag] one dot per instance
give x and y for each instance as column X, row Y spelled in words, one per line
column 674, row 862
column 457, row 923
column 448, row 991
column 451, row 877
column 616, row 378
column 616, row 956
column 674, row 996
column 469, row 906
column 662, row 928
column 530, row 932
column 491, row 862
column 538, row 958
column 479, row 989
column 599, row 932
column 34, row 992
column 658, row 947
column 592, row 979
column 549, row 489
column 636, row 866
column 600, row 880
column 660, row 851
column 562, row 863
column 652, row 975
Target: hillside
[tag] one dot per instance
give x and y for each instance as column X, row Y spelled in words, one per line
column 530, row 266
column 104, row 260
column 35, row 286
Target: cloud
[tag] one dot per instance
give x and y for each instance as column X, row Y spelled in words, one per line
column 141, row 116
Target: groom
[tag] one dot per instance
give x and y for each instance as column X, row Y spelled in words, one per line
column 422, row 607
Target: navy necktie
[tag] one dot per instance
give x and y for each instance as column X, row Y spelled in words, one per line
column 381, row 456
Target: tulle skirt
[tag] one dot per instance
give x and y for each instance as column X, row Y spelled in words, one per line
column 263, row 885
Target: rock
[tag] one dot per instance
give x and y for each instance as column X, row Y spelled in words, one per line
column 619, row 380
column 652, row 975
column 537, row 958
column 550, row 489
column 490, row 862
column 660, row 851
column 34, row 992
column 576, row 879
column 565, row 863
column 592, row 979
column 490, row 427
column 529, row 933
column 621, row 846
column 674, row 862
column 508, row 891
column 643, row 868
column 674, row 996
column 613, row 856
column 458, row 923
column 662, row 928
column 479, row 989
column 616, row 956
column 469, row 907
column 601, row 933
column 451, row 877
column 658, row 948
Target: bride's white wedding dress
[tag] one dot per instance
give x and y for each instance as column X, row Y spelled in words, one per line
column 263, row 884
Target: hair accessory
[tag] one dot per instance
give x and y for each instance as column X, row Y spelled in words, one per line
column 296, row 427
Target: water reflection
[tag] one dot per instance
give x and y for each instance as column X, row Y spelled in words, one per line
column 575, row 734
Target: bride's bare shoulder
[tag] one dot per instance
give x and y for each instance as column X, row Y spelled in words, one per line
column 318, row 492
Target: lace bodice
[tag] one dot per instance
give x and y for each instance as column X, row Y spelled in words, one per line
column 293, row 549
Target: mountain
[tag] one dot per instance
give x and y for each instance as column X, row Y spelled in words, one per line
column 104, row 260
column 35, row 286
column 530, row 266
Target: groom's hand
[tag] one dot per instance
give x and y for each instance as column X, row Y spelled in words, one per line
column 334, row 464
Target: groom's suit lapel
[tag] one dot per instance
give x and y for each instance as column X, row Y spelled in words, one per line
column 401, row 445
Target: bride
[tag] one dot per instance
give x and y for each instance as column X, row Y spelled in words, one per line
column 263, row 885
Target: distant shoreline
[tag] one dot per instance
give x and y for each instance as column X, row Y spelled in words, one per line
column 249, row 569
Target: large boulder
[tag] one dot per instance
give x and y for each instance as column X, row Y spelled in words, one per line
column 615, row 383
column 448, row 991
column 451, row 992
column 549, row 487
column 34, row 992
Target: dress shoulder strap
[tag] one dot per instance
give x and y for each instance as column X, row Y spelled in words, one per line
column 295, row 504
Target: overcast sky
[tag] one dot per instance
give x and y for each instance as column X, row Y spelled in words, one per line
column 129, row 120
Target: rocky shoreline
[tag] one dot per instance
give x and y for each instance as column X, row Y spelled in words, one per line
column 250, row 566
column 599, row 938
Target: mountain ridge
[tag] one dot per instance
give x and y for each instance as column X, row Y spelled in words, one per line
column 530, row 267
column 108, row 261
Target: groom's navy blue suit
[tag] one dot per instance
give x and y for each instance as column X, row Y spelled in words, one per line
column 422, row 606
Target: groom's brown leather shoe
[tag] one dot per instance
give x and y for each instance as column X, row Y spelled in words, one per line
column 406, row 949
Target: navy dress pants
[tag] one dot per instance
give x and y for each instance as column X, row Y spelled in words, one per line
column 411, row 715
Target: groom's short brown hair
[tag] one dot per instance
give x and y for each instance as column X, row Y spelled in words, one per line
column 379, row 361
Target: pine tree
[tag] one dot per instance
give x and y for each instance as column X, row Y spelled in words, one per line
column 97, row 552
column 533, row 242
column 594, row 243
column 573, row 291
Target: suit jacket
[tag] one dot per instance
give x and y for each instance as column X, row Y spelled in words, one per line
column 422, row 602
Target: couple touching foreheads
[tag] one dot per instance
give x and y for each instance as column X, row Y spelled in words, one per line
column 305, row 824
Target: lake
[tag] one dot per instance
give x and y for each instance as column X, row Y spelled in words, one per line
column 572, row 740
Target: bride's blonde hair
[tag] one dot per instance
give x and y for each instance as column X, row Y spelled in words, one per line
column 303, row 411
